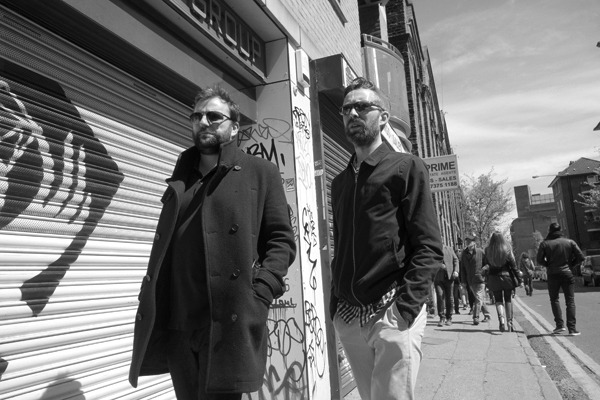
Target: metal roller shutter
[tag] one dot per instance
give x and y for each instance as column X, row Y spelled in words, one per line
column 337, row 151
column 85, row 150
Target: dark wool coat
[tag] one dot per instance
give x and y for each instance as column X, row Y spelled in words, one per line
column 471, row 266
column 249, row 245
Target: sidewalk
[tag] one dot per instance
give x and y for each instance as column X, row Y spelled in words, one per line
column 468, row 362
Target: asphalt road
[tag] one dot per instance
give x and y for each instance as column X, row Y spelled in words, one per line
column 587, row 301
column 571, row 361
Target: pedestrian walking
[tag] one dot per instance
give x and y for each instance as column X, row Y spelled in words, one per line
column 387, row 249
column 471, row 263
column 501, row 260
column 459, row 294
column 559, row 255
column 527, row 270
column 222, row 247
column 444, row 284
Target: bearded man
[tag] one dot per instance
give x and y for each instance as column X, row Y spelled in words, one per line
column 222, row 248
column 387, row 249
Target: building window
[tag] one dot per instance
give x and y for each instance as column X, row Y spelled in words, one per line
column 542, row 198
column 338, row 10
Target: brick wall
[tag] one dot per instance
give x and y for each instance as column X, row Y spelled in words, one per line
column 320, row 22
column 369, row 21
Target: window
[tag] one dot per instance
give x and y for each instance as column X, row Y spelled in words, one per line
column 338, row 10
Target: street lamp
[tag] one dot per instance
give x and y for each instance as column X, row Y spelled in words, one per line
column 539, row 176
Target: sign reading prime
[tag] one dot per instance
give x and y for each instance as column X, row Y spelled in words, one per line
column 443, row 173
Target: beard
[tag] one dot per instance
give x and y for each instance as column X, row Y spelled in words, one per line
column 363, row 133
column 209, row 141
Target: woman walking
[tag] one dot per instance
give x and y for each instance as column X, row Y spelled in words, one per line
column 500, row 260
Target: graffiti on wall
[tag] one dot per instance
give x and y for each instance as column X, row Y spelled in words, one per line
column 285, row 375
column 303, row 149
column 263, row 139
column 50, row 161
column 315, row 342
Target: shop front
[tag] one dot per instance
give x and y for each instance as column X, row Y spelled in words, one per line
column 95, row 100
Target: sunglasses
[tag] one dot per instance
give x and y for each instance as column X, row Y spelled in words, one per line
column 212, row 117
column 360, row 106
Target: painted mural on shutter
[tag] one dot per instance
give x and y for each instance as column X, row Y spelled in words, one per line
column 84, row 153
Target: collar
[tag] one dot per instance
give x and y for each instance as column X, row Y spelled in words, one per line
column 375, row 157
column 229, row 154
column 555, row 235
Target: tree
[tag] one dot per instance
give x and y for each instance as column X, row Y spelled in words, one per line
column 485, row 203
column 537, row 240
column 591, row 200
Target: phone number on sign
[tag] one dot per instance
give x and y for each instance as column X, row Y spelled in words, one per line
column 444, row 185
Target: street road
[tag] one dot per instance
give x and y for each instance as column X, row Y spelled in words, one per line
column 587, row 301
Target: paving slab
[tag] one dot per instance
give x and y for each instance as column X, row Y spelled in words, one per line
column 474, row 362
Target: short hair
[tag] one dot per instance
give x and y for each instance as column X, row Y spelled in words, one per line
column 364, row 83
column 217, row 91
column 554, row 227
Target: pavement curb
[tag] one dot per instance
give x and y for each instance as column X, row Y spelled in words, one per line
column 546, row 384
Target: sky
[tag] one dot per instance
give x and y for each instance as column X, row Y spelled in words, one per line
column 519, row 82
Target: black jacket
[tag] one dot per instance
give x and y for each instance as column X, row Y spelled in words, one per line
column 385, row 230
column 558, row 254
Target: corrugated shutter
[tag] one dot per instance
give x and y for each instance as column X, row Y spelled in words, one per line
column 85, row 150
column 337, row 151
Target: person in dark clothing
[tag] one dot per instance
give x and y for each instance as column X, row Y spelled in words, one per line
column 458, row 291
column 500, row 258
column 388, row 247
column 527, row 270
column 472, row 260
column 444, row 284
column 559, row 255
column 222, row 247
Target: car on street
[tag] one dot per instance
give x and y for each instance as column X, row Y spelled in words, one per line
column 540, row 273
column 590, row 271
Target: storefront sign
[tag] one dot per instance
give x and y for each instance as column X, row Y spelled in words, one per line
column 443, row 173
column 217, row 19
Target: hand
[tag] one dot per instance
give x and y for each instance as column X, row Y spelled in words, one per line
column 454, row 275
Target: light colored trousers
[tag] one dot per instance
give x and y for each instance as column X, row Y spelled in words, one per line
column 385, row 354
column 479, row 305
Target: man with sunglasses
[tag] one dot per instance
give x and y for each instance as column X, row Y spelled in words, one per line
column 222, row 247
column 387, row 250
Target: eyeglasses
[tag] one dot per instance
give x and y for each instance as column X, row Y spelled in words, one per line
column 212, row 117
column 360, row 106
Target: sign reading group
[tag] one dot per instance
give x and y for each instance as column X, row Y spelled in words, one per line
column 443, row 173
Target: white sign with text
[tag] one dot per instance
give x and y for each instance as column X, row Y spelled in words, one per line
column 443, row 173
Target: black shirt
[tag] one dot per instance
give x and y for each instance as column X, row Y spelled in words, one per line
column 189, row 288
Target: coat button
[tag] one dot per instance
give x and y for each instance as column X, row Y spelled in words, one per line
column 236, row 273
column 147, row 278
column 138, row 316
column 237, row 168
column 234, row 228
column 157, row 236
column 233, row 317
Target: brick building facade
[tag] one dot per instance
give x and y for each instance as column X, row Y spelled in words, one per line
column 428, row 132
column 534, row 214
